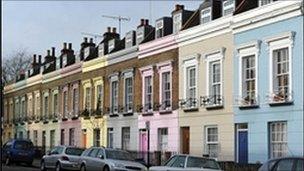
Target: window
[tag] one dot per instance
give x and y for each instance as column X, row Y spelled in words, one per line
column 284, row 165
column 37, row 105
column 88, row 98
column 64, row 60
column 198, row 162
column 87, row 52
column 111, row 45
column 211, row 144
column 114, row 97
column 27, row 134
column 249, row 79
column 65, row 103
column 125, row 138
column 72, row 136
column 159, row 28
column 179, row 162
column 129, row 39
column 166, row 90
column 128, row 94
column 177, row 22
column 265, row 2
column 228, row 7
column 96, row 136
column 35, row 137
column 163, row 139
column 110, row 136
column 206, row 15
column 278, row 139
column 46, row 104
column 62, row 137
column 94, row 152
column 139, row 35
column 148, row 94
column 215, row 78
column 75, row 101
column 101, row 49
column 191, row 86
column 281, row 74
column 52, row 138
column 23, row 108
column 99, row 100
column 55, row 103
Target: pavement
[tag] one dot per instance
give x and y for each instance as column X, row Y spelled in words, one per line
column 22, row 167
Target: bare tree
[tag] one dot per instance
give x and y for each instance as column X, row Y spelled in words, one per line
column 18, row 61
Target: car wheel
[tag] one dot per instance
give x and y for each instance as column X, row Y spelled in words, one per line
column 82, row 168
column 58, row 167
column 8, row 161
column 106, row 168
column 42, row 166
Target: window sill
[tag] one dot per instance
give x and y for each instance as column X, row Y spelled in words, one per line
column 64, row 119
column 37, row 121
column 192, row 109
column 147, row 113
column 214, row 107
column 280, row 103
column 45, row 122
column 74, row 117
column 112, row 115
column 128, row 114
column 244, row 107
column 98, row 116
column 164, row 112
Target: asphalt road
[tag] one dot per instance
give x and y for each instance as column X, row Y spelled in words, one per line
column 20, row 167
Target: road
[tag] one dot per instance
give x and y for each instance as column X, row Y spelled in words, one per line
column 14, row 167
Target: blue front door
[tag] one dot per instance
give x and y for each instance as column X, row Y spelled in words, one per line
column 243, row 146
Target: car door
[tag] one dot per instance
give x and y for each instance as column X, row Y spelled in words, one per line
column 299, row 165
column 100, row 159
column 48, row 156
column 91, row 164
column 284, row 165
column 178, row 164
column 55, row 155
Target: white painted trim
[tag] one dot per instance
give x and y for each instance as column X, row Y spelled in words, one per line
column 146, row 72
column 162, row 68
column 126, row 75
column 192, row 61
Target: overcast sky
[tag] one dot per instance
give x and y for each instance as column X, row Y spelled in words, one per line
column 40, row 25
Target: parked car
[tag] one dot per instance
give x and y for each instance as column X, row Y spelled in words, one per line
column 18, row 151
column 189, row 163
column 108, row 159
column 284, row 164
column 61, row 158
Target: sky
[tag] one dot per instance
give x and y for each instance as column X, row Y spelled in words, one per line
column 39, row 25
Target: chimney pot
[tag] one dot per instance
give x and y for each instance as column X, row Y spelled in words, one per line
column 114, row 30
column 109, row 29
column 142, row 22
column 70, row 46
column 64, row 45
column 53, row 51
column 48, row 52
column 146, row 22
column 91, row 40
column 34, row 58
column 85, row 39
column 39, row 59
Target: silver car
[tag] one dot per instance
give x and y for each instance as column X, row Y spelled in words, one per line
column 108, row 159
column 189, row 163
column 61, row 158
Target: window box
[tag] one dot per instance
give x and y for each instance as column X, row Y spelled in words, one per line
column 247, row 102
column 280, row 98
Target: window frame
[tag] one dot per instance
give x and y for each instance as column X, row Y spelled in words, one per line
column 177, row 22
column 125, row 142
column 209, row 15
column 165, row 68
column 207, row 143
column 147, row 72
column 160, row 141
column 159, row 29
column 282, row 142
column 190, row 63
column 114, row 99
column 228, row 7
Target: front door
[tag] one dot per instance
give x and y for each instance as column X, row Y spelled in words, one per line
column 185, row 133
column 242, row 146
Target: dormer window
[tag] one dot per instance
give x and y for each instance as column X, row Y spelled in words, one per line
column 64, row 60
column 101, row 50
column 228, row 7
column 130, row 37
column 140, row 35
column 205, row 15
column 159, row 28
column 86, row 52
column 177, row 22
column 111, row 45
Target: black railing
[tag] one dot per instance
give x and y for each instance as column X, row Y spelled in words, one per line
column 212, row 101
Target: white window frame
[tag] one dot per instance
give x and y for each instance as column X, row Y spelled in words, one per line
column 111, row 45
column 232, row 5
column 283, row 141
column 55, row 109
column 129, row 39
column 147, row 72
column 159, row 26
column 101, row 50
column 75, row 101
column 211, row 142
column 125, row 138
column 46, row 105
column 202, row 15
column 245, row 50
column 283, row 40
column 114, row 109
column 110, row 137
column 87, row 51
column 267, row 2
column 37, row 105
column 128, row 74
column 140, row 33
column 165, row 67
column 65, row 100
column 209, row 59
column 163, row 139
column 177, row 22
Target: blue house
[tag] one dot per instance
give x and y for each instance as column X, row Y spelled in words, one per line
column 268, row 81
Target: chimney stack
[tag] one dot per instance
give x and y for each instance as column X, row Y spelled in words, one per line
column 114, row 30
column 64, row 45
column 34, row 58
column 109, row 29
column 146, row 22
column 179, row 7
column 142, row 22
column 91, row 40
column 48, row 53
column 53, row 51
column 85, row 39
column 39, row 59
column 70, row 46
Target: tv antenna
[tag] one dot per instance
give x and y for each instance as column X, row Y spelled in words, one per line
column 119, row 18
column 92, row 35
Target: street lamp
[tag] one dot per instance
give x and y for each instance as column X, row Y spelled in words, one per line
column 148, row 143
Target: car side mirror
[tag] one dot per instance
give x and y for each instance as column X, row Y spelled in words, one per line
column 100, row 156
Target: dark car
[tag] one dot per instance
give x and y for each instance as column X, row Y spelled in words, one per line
column 18, row 151
column 284, row 164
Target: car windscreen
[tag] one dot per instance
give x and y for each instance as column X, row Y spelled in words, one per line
column 199, row 162
column 118, row 155
column 23, row 145
column 74, row 151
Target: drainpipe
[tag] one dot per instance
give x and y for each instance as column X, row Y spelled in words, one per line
column 148, row 143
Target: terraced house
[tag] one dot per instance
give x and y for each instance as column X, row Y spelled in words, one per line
column 224, row 81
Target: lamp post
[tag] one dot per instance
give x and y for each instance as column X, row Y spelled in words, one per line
column 148, row 141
